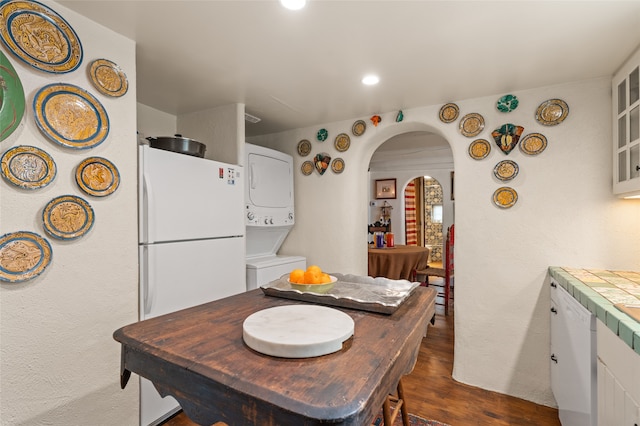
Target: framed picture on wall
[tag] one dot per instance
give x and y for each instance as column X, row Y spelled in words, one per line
column 385, row 189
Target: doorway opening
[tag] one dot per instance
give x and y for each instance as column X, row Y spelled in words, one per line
column 424, row 212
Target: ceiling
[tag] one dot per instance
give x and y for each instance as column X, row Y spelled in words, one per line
column 303, row 68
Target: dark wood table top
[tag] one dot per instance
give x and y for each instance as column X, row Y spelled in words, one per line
column 397, row 262
column 198, row 356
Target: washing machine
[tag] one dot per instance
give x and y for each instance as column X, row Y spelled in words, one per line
column 269, row 215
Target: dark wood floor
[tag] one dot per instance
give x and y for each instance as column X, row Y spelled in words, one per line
column 431, row 393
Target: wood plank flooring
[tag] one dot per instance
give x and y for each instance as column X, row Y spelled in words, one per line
column 431, row 392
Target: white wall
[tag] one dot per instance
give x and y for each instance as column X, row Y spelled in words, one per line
column 154, row 123
column 59, row 364
column 566, row 215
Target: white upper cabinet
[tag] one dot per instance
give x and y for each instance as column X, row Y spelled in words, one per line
column 626, row 129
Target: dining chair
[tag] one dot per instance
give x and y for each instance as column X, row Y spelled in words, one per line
column 389, row 414
column 446, row 272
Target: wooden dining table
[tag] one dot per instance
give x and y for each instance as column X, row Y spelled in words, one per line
column 198, row 356
column 397, row 262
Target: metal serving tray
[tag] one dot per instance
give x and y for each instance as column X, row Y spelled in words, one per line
column 380, row 295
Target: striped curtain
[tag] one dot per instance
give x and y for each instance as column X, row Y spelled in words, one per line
column 411, row 234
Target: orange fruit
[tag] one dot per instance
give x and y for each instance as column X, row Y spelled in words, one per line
column 325, row 279
column 311, row 277
column 315, row 268
column 296, row 276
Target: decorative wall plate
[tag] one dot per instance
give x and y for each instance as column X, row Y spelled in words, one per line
column 471, row 125
column 70, row 116
column 358, row 128
column 449, row 113
column 505, row 197
column 552, row 112
column 304, row 148
column 507, row 136
column 39, row 36
column 507, row 103
column 479, row 149
column 97, row 176
column 11, row 98
column 506, row 170
column 23, row 256
column 108, row 78
column 342, row 142
column 28, row 167
column 337, row 165
column 533, row 144
column 322, row 135
column 321, row 162
column 307, row 168
column 67, row 217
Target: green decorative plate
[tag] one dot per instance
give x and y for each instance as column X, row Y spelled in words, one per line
column 11, row 98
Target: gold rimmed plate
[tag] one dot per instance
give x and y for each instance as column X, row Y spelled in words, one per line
column 70, row 116
column 358, row 128
column 97, row 176
column 67, row 217
column 108, row 78
column 307, row 168
column 533, row 144
column 337, row 165
column 23, row 256
column 471, row 124
column 449, row 113
column 506, row 170
column 552, row 112
column 304, row 148
column 479, row 149
column 39, row 36
column 505, row 197
column 342, row 142
column 28, row 167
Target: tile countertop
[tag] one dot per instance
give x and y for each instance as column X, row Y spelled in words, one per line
column 598, row 290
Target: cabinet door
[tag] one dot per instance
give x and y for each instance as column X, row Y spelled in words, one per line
column 615, row 405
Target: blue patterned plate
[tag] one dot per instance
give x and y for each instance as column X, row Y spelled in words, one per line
column 97, row 176
column 67, row 217
column 23, row 256
column 39, row 36
column 28, row 167
column 70, row 116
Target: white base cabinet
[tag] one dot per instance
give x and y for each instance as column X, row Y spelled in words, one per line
column 618, row 380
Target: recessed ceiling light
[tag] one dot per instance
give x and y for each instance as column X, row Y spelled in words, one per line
column 370, row 79
column 293, row 4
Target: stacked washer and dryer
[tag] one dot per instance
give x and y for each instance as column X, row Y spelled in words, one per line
column 269, row 214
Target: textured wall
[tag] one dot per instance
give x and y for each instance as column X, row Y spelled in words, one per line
column 59, row 364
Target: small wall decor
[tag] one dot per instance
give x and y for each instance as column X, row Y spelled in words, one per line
column 304, row 148
column 505, row 197
column 307, row 168
column 375, row 119
column 533, row 144
column 70, row 116
column 28, row 167
column 479, row 149
column 552, row 112
column 322, row 162
column 39, row 36
column 12, row 96
column 23, row 256
column 337, row 165
column 322, row 135
column 67, row 217
column 385, row 189
column 399, row 116
column 358, row 128
column 506, row 170
column 507, row 103
column 108, row 78
column 449, row 113
column 342, row 142
column 97, row 176
column 471, row 125
column 507, row 136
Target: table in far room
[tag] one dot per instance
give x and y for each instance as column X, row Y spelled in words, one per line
column 397, row 262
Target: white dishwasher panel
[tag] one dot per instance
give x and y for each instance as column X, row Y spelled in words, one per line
column 573, row 359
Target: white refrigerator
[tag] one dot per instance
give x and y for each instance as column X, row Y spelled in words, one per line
column 191, row 243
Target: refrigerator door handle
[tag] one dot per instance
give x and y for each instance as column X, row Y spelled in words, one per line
column 146, row 283
column 147, row 209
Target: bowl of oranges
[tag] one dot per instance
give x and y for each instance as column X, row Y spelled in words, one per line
column 313, row 280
